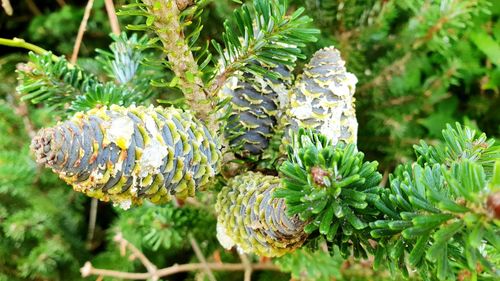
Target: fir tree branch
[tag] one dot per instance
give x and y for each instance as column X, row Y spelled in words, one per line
column 262, row 33
column 81, row 30
column 167, row 26
column 58, row 83
column 432, row 216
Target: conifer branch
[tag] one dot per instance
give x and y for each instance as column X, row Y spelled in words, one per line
column 165, row 15
column 262, row 33
column 434, row 215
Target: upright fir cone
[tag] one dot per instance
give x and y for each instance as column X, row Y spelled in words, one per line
column 126, row 155
column 254, row 110
column 253, row 220
column 322, row 98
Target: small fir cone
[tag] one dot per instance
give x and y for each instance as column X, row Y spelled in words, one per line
column 253, row 220
column 322, row 98
column 126, row 155
column 254, row 110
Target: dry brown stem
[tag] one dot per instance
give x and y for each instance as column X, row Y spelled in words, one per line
column 33, row 7
column 81, row 31
column 201, row 258
column 248, row 267
column 92, row 220
column 7, row 7
column 113, row 19
column 61, row 2
column 154, row 273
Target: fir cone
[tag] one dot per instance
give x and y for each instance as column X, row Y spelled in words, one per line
column 253, row 220
column 322, row 98
column 129, row 154
column 254, row 110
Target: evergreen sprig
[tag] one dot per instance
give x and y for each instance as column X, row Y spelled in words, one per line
column 437, row 216
column 126, row 62
column 123, row 61
column 332, row 188
column 190, row 26
column 166, row 227
column 40, row 241
column 69, row 88
column 459, row 144
column 263, row 32
column 435, row 213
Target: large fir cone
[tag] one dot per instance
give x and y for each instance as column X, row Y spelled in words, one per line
column 254, row 110
column 129, row 154
column 322, row 98
column 250, row 218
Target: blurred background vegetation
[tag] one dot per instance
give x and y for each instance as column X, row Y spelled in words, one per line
column 420, row 64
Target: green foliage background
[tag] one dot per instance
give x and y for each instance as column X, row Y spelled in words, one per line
column 420, row 64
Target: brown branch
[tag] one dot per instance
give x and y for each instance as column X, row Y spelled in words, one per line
column 248, row 267
column 81, row 30
column 88, row 270
column 201, row 258
column 136, row 253
column 113, row 19
column 171, row 34
column 385, row 177
column 92, row 220
column 7, row 7
column 61, row 3
column 154, row 273
column 33, row 7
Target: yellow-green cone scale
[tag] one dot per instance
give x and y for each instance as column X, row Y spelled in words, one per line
column 251, row 219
